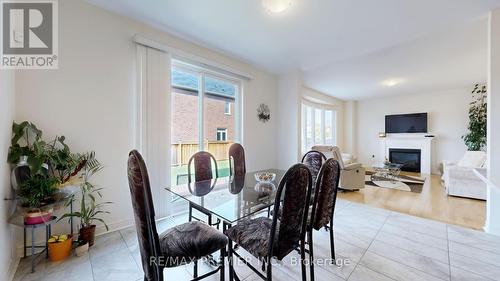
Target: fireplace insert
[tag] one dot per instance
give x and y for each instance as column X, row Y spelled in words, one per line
column 410, row 158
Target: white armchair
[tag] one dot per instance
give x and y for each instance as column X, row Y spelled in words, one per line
column 460, row 180
column 352, row 175
column 327, row 150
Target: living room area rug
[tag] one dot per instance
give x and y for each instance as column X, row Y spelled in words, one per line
column 401, row 182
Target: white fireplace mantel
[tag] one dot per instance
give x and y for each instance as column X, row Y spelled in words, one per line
column 410, row 141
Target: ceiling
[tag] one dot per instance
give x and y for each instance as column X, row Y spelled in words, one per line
column 447, row 60
column 345, row 48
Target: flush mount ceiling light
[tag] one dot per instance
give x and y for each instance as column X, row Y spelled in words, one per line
column 392, row 82
column 277, row 6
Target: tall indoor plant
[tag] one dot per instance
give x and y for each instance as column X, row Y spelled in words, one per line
column 475, row 139
column 90, row 210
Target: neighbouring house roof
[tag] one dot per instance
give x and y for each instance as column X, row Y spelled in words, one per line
column 189, row 81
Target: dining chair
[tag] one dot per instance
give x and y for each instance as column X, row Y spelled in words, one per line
column 323, row 207
column 202, row 166
column 314, row 160
column 237, row 164
column 267, row 238
column 177, row 246
column 202, row 163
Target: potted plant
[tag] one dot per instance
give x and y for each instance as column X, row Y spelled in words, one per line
column 90, row 210
column 30, row 178
column 41, row 172
column 475, row 139
column 45, row 175
column 27, row 152
column 36, row 193
column 59, row 246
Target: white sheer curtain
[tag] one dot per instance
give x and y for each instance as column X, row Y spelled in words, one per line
column 153, row 121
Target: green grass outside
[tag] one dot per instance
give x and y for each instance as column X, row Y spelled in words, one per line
column 182, row 170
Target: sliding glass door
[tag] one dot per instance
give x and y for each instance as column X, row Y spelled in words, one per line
column 185, row 136
column 205, row 113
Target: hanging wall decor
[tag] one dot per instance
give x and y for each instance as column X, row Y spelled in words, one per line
column 263, row 112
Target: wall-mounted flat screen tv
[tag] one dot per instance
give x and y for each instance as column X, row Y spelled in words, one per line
column 406, row 123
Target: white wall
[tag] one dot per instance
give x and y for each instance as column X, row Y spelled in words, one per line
column 90, row 98
column 7, row 89
column 350, row 131
column 260, row 138
column 448, row 118
column 291, row 93
column 288, row 115
column 493, row 200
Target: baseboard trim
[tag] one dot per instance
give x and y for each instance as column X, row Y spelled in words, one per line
column 486, row 225
column 14, row 264
column 491, row 230
column 116, row 226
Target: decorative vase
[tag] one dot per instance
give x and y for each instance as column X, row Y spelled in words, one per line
column 59, row 251
column 88, row 234
column 20, row 173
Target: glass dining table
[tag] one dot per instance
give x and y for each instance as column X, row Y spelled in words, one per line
column 230, row 199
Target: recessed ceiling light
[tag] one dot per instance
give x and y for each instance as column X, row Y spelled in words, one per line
column 277, row 6
column 392, row 82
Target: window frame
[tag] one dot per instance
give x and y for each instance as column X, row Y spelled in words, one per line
column 305, row 121
column 227, row 108
column 222, row 132
column 202, row 74
column 237, row 110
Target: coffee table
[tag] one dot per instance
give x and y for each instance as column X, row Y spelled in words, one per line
column 386, row 172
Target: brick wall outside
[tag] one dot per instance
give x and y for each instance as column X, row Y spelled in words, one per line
column 185, row 118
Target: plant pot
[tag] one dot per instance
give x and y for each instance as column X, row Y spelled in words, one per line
column 59, row 251
column 37, row 217
column 20, row 173
column 87, row 234
column 82, row 249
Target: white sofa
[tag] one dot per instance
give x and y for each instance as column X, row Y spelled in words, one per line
column 460, row 180
column 352, row 175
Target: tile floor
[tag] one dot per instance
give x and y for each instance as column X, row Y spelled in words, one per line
column 376, row 244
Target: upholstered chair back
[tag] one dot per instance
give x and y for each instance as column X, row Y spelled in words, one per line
column 295, row 189
column 326, row 193
column 144, row 215
column 313, row 160
column 237, row 164
column 202, row 166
